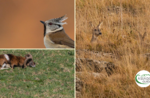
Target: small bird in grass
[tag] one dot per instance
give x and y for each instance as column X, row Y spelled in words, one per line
column 54, row 34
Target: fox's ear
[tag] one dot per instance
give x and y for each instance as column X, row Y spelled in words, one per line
column 28, row 56
column 100, row 25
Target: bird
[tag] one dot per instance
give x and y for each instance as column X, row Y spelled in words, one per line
column 55, row 35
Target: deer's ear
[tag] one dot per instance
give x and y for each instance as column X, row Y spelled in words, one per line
column 93, row 26
column 100, row 25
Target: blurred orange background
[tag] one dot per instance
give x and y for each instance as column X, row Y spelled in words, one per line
column 20, row 25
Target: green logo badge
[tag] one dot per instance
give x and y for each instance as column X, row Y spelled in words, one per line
column 142, row 78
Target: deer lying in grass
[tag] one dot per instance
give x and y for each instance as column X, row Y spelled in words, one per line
column 96, row 32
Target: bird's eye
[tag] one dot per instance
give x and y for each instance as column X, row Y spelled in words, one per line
column 50, row 23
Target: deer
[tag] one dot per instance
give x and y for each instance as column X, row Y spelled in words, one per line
column 96, row 31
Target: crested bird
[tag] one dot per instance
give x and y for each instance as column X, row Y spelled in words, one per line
column 54, row 34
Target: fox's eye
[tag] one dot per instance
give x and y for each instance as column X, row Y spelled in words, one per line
column 50, row 23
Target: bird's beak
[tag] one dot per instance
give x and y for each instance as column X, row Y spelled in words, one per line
column 42, row 22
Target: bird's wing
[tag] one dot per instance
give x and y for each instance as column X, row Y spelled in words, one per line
column 60, row 37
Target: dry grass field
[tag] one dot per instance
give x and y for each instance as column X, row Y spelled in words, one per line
column 125, row 36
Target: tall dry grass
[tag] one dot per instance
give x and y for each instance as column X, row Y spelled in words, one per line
column 126, row 29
